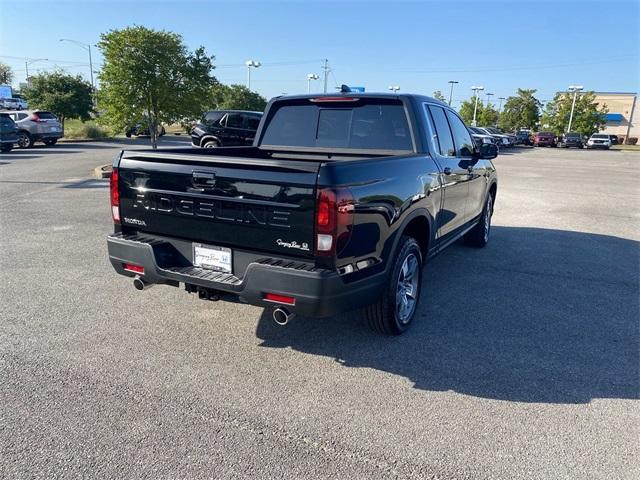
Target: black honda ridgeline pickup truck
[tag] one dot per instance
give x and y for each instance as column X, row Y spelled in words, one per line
column 336, row 206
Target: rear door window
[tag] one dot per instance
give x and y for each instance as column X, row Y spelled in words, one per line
column 443, row 132
column 252, row 122
column 234, row 120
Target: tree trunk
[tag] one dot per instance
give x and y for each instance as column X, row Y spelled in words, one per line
column 153, row 133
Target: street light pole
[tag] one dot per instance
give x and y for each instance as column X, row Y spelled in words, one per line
column 250, row 64
column 452, row 82
column 475, row 108
column 575, row 89
column 29, row 61
column 311, row 76
column 394, row 88
column 488, row 98
column 87, row 47
column 500, row 108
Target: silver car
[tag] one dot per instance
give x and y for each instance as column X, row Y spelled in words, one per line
column 10, row 103
column 36, row 126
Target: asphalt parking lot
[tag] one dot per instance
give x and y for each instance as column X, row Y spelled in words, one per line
column 524, row 362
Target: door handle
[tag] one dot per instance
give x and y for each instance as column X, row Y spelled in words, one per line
column 447, row 171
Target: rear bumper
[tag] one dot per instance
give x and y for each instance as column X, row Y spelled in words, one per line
column 317, row 292
column 48, row 135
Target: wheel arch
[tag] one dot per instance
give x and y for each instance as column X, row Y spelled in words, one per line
column 418, row 224
column 207, row 138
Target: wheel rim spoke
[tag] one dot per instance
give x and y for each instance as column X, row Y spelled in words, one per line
column 407, row 288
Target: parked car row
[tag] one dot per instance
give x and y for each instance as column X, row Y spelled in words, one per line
column 574, row 139
column 25, row 127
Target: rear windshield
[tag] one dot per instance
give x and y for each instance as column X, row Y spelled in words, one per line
column 605, row 137
column 572, row 135
column 371, row 124
column 46, row 115
column 213, row 116
column 546, row 134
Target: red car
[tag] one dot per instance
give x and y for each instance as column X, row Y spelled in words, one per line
column 544, row 139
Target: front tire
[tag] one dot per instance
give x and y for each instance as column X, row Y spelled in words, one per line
column 393, row 313
column 479, row 236
column 211, row 144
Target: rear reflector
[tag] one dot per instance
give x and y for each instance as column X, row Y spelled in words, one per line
column 130, row 267
column 274, row 297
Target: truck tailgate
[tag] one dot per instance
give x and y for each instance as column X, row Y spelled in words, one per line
column 258, row 204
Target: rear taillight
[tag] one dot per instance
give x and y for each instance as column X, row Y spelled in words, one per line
column 115, row 195
column 334, row 220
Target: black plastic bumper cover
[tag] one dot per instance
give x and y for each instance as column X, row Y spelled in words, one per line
column 317, row 293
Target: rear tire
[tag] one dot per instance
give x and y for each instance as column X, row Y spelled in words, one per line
column 394, row 312
column 25, row 140
column 479, row 236
column 210, row 144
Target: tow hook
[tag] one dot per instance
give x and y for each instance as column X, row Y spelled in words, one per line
column 208, row 294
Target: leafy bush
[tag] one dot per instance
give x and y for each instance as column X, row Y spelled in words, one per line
column 632, row 140
column 87, row 130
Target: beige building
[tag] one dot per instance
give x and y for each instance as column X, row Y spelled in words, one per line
column 623, row 118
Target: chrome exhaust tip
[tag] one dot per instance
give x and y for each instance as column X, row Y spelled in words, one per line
column 281, row 316
column 140, row 284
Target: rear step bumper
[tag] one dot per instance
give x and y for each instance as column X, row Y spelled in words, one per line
column 317, row 292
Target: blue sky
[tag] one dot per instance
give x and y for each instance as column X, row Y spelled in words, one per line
column 418, row 46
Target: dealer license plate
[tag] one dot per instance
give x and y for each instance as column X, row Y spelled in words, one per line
column 211, row 257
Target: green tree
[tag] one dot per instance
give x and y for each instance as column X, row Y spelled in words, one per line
column 149, row 75
column 68, row 96
column 6, row 74
column 466, row 111
column 439, row 96
column 236, row 97
column 588, row 115
column 487, row 115
column 520, row 111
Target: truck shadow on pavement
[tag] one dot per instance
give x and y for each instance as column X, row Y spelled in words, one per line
column 537, row 316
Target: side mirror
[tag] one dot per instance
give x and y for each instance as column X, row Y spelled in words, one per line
column 488, row 151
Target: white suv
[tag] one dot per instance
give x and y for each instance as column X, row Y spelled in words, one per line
column 599, row 140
